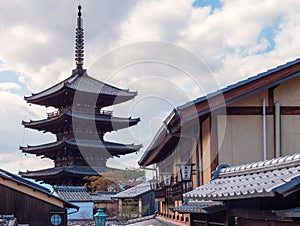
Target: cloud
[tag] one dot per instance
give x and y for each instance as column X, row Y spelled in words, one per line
column 5, row 86
column 236, row 39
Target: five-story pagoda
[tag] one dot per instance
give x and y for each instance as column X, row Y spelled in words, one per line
column 79, row 125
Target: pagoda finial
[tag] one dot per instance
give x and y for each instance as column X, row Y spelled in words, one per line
column 79, row 44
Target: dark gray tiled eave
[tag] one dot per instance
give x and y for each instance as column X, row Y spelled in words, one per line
column 260, row 179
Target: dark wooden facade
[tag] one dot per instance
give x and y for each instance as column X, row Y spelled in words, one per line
column 27, row 209
column 30, row 203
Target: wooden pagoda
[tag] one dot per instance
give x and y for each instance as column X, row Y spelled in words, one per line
column 79, row 124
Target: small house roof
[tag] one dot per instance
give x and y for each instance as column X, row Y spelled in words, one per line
column 36, row 187
column 72, row 193
column 135, row 191
column 199, row 207
column 81, row 194
column 259, row 179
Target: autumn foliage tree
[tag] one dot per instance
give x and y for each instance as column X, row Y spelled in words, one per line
column 115, row 180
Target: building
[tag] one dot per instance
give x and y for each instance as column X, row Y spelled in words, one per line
column 260, row 193
column 250, row 121
column 31, row 204
column 135, row 202
column 88, row 203
column 79, row 124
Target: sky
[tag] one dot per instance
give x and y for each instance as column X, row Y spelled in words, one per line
column 170, row 52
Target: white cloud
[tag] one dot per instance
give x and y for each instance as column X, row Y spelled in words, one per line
column 5, row 86
column 40, row 47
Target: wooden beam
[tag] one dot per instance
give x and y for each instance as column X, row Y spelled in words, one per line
column 284, row 110
column 214, row 158
column 253, row 214
column 271, row 96
column 242, row 91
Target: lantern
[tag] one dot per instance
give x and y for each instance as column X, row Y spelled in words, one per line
column 100, row 217
column 153, row 184
column 167, row 179
column 186, row 171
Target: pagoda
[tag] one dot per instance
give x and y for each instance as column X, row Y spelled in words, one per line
column 79, row 124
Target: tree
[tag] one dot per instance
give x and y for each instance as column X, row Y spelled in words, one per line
column 99, row 183
column 133, row 174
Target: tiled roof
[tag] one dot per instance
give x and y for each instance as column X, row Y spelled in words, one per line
column 80, row 194
column 199, row 207
column 240, row 83
column 114, row 149
column 135, row 191
column 27, row 183
column 72, row 194
column 83, row 83
column 102, row 196
column 10, row 176
column 115, row 121
column 78, row 170
column 259, row 179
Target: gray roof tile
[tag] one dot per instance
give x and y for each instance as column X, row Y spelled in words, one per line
column 83, row 83
column 265, row 178
column 80, row 194
column 199, row 207
column 135, row 191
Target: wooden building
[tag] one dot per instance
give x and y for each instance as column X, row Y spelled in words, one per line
column 135, row 202
column 79, row 124
column 31, row 203
column 250, row 121
column 88, row 203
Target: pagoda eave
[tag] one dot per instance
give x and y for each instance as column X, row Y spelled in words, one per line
column 105, row 148
column 63, row 175
column 82, row 88
column 56, row 124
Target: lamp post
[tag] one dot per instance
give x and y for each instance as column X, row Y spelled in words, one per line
column 100, row 217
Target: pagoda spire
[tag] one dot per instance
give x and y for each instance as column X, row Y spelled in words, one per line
column 79, row 42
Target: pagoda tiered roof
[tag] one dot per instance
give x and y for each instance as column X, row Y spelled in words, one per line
column 58, row 123
column 67, row 175
column 50, row 150
column 85, row 87
column 79, row 124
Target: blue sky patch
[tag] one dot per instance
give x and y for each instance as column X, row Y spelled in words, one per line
column 12, row 76
column 269, row 33
column 214, row 4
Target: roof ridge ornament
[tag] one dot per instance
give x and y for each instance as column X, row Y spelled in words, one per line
column 79, row 41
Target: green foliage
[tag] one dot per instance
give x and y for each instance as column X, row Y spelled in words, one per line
column 134, row 174
column 130, row 210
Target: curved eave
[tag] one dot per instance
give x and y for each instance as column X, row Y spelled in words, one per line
column 104, row 123
column 63, row 93
column 61, row 175
column 113, row 148
column 77, row 171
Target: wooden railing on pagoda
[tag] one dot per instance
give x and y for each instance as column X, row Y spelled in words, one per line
column 79, row 110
